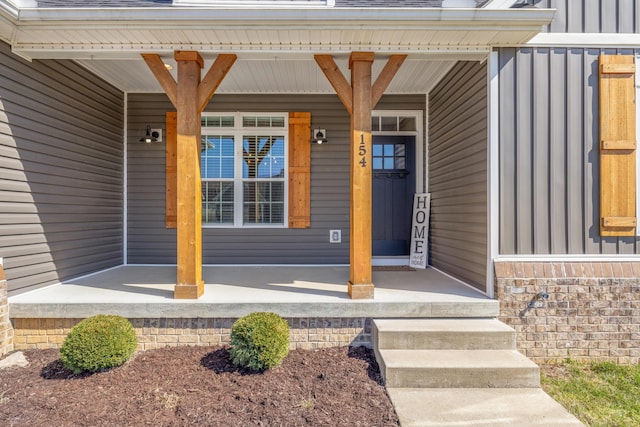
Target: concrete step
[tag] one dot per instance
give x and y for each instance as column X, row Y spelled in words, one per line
column 457, row 368
column 487, row 407
column 451, row 334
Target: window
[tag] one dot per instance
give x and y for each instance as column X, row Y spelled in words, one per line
column 389, row 157
column 393, row 123
column 244, row 164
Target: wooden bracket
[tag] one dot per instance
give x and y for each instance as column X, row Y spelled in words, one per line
column 618, row 145
column 337, row 80
column 163, row 76
column 386, row 75
column 618, row 68
column 619, row 222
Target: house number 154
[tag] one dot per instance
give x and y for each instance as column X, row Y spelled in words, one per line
column 362, row 152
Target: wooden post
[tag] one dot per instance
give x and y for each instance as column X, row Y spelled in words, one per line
column 360, row 283
column 189, row 96
column 359, row 98
column 189, row 227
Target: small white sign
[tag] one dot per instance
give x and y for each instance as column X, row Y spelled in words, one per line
column 420, row 230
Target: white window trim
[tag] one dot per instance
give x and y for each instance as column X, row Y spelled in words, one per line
column 238, row 131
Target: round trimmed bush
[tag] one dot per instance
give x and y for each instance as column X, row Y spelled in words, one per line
column 98, row 343
column 259, row 341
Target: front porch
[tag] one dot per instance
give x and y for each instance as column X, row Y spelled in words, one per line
column 314, row 300
column 231, row 292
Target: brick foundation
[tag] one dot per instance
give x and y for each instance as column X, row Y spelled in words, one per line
column 592, row 311
column 305, row 333
column 6, row 331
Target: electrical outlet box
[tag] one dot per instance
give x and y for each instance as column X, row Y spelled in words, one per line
column 335, row 236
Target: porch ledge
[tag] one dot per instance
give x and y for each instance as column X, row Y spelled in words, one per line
column 231, row 292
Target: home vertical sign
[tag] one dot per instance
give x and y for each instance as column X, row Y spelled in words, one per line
column 420, row 230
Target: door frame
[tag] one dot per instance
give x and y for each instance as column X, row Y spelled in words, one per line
column 419, row 166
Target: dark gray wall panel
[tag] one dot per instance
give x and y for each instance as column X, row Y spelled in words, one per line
column 61, row 171
column 150, row 242
column 593, row 16
column 458, row 173
column 549, row 165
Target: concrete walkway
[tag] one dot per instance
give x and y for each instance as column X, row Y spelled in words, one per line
column 461, row 372
column 484, row 407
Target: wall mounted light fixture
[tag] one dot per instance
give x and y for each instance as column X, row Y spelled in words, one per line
column 319, row 136
column 152, row 135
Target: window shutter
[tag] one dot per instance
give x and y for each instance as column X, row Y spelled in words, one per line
column 617, row 146
column 299, row 170
column 171, row 176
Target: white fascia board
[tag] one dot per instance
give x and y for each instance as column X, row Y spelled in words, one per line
column 499, row 4
column 69, row 18
column 250, row 3
column 585, row 40
column 8, row 20
column 9, row 11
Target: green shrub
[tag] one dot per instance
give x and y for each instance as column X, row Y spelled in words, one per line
column 97, row 343
column 259, row 341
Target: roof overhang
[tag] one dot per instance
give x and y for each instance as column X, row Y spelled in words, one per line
column 126, row 32
column 275, row 46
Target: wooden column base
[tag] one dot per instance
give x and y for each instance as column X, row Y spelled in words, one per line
column 188, row 291
column 361, row 291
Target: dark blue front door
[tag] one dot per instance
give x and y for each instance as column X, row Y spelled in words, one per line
column 393, row 186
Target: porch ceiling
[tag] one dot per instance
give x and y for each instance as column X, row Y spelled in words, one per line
column 280, row 74
column 275, row 45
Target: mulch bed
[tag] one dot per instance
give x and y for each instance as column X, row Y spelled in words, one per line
column 184, row 386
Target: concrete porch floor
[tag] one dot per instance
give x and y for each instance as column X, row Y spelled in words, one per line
column 291, row 291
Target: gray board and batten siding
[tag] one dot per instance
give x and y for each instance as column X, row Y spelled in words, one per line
column 593, row 16
column 61, row 171
column 149, row 242
column 458, row 173
column 549, row 153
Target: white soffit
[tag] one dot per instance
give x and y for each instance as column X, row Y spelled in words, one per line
column 285, row 74
column 127, row 32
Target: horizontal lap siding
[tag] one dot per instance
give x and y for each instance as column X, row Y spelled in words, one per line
column 149, row 240
column 61, row 169
column 593, row 16
column 549, row 166
column 458, row 173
